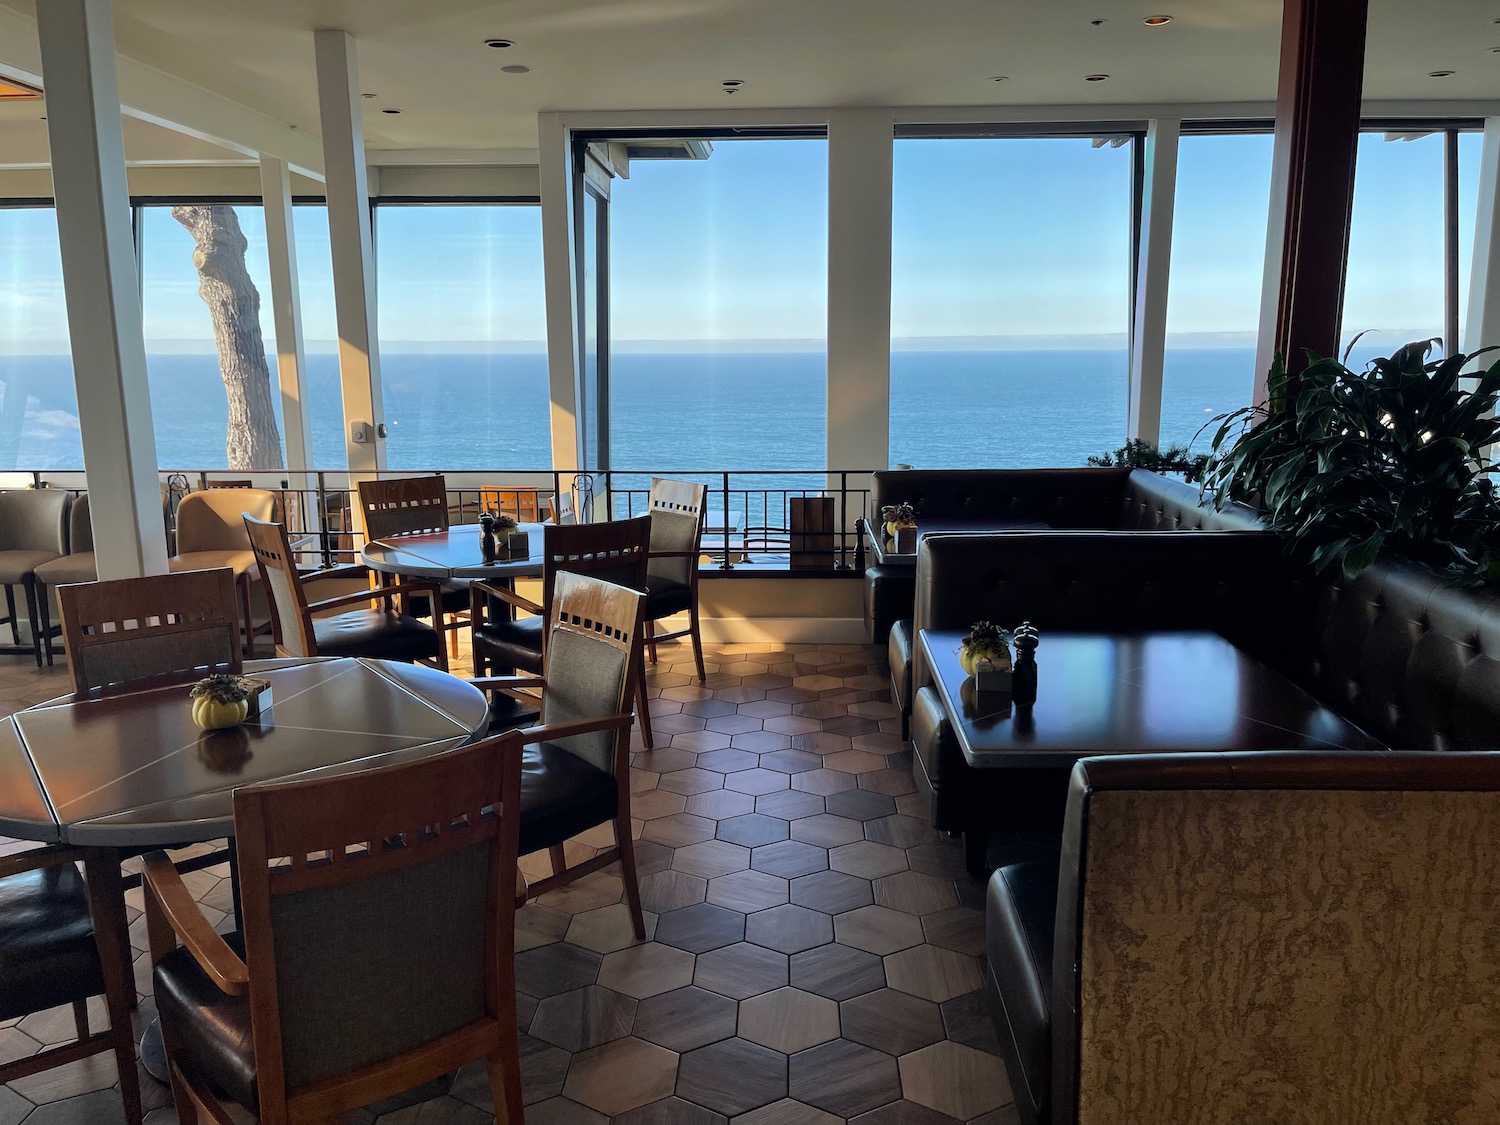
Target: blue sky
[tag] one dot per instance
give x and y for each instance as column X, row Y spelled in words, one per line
column 991, row 238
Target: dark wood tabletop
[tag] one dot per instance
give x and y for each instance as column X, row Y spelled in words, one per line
column 451, row 554
column 884, row 547
column 1133, row 693
column 132, row 770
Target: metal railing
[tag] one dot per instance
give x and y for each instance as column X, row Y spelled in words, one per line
column 748, row 526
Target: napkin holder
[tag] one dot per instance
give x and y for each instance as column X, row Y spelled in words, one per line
column 258, row 698
column 516, row 545
column 906, row 540
column 992, row 675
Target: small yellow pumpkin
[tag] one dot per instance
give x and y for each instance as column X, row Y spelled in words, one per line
column 219, row 702
column 967, row 657
column 891, row 527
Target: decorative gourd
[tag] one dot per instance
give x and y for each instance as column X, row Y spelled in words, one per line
column 220, row 702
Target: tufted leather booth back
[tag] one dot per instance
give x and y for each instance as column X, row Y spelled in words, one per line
column 1410, row 658
column 1075, row 498
column 1157, row 503
column 1238, row 583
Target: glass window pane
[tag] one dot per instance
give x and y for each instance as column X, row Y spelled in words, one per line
column 1213, row 299
column 462, row 325
column 1393, row 289
column 38, row 403
column 189, row 407
column 1010, row 301
column 718, row 309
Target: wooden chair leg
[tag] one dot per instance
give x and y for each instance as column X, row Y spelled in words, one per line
column 45, row 611
column 33, row 619
column 558, row 859
column 697, row 638
column 10, row 612
column 625, row 842
column 244, row 585
column 453, row 627
column 106, row 893
column 504, row 1068
column 650, row 627
column 643, row 707
column 81, row 1018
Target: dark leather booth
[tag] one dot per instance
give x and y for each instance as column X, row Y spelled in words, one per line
column 1257, row 936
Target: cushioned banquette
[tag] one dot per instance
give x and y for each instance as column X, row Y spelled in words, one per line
column 1257, row 937
column 1064, row 499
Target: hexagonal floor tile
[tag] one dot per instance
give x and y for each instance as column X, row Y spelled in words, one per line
column 741, row 971
column 891, row 1021
column 686, row 1018
column 730, row 761
column 866, row 859
column 748, row 891
column 788, row 1020
column 877, row 929
column 621, row 1075
column 645, row 970
column 583, row 1018
column 932, row 973
column 720, row 804
column 787, row 1112
column 691, row 780
column 559, row 967
column 712, row 858
column 670, row 1111
column 915, row 893
column 837, row 971
column 756, row 781
column 789, row 929
column 732, row 1076
column 832, row 892
column 827, row 831
column 662, row 891
column 900, row 831
column 860, row 804
column 789, row 858
column 753, row 829
column 844, row 1078
column 606, row 929
column 700, row 927
column 790, row 761
column 823, row 782
column 955, row 1080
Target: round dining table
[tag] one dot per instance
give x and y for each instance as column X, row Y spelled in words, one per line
column 452, row 555
column 132, row 771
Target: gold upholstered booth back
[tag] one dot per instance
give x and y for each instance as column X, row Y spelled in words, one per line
column 1317, row 941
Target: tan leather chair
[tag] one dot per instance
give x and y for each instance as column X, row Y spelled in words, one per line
column 33, row 531
column 78, row 565
column 211, row 534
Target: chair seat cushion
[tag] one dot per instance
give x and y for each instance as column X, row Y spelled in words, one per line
column 241, row 562
column 511, row 644
column 561, row 796
column 80, row 567
column 16, row 566
column 898, row 655
column 1021, row 910
column 664, row 597
column 47, row 951
column 380, row 634
column 213, row 1029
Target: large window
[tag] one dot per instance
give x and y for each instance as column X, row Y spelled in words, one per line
column 38, row 405
column 320, row 332
column 718, row 309
column 1213, row 305
column 462, row 321
column 1010, row 301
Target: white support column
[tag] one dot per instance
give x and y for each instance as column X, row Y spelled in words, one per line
column 1149, row 338
column 350, row 240
column 286, row 308
column 99, row 280
column 1482, row 325
column 560, row 283
column 859, row 288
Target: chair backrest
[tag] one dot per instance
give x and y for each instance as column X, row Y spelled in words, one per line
column 405, row 506
column 138, row 631
column 594, row 642
column 379, row 913
column 210, row 520
column 1312, row 935
column 677, row 511
column 812, row 532
column 291, row 622
column 560, row 509
column 615, row 552
column 34, row 519
column 80, row 526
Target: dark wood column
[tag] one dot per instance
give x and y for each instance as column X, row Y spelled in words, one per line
column 1312, row 179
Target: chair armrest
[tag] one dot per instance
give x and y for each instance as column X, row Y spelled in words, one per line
column 673, row 554
column 511, row 685
column 549, row 732
column 50, row 855
column 505, row 595
column 379, row 593
column 351, row 570
column 166, row 893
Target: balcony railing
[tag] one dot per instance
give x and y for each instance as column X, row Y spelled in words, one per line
column 749, row 526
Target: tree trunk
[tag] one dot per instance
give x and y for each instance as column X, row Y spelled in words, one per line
column 253, row 441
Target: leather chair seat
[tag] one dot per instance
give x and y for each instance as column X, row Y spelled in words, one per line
column 1021, row 912
column 17, row 566
column 455, row 599
column 80, row 567
column 241, row 562
column 898, row 655
column 377, row 633
column 665, row 596
column 561, row 796
column 512, row 644
column 213, row 1029
column 47, row 951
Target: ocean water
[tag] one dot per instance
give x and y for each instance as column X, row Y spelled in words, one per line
column 669, row 413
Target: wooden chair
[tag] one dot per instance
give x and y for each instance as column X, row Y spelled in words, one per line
column 576, row 769
column 378, row 950
column 414, row 506
column 211, row 533
column 136, row 632
column 615, row 552
column 63, row 940
column 678, row 511
column 812, row 536
column 380, row 634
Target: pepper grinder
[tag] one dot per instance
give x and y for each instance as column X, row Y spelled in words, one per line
column 487, row 537
column 1023, row 677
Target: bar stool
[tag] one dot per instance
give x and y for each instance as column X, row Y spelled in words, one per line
column 33, row 531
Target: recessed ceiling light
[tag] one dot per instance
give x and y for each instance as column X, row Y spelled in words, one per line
column 516, row 68
column 736, row 82
column 1096, row 78
column 367, row 95
column 1097, row 23
column 392, row 112
column 498, row 44
column 1441, row 73
column 1001, row 78
column 1157, row 21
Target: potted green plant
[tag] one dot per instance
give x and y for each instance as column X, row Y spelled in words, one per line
column 984, row 641
column 1352, row 465
column 1140, row 454
column 898, row 516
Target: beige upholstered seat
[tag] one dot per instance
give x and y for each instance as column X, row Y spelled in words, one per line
column 33, row 532
column 677, row 511
column 211, row 534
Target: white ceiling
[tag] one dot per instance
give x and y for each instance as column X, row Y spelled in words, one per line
column 427, row 58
